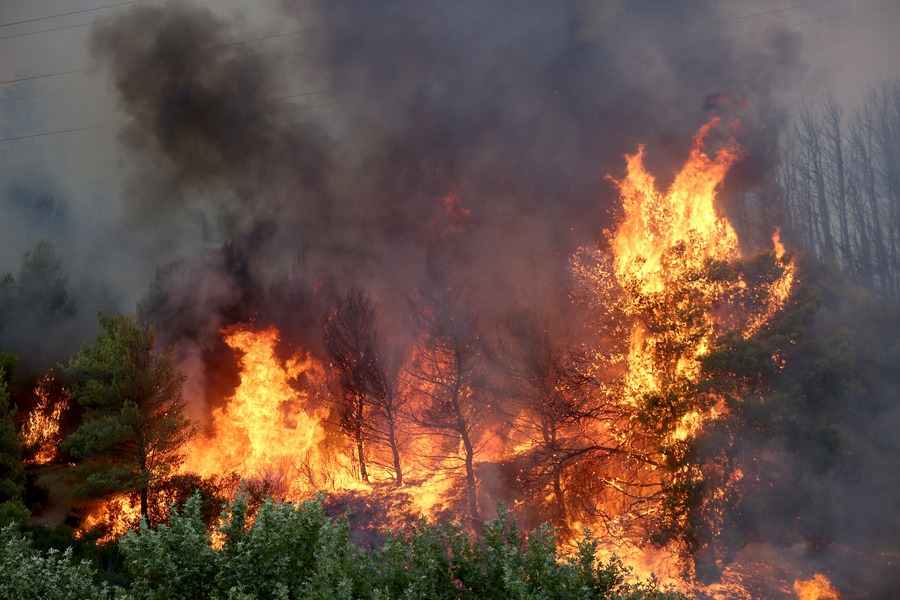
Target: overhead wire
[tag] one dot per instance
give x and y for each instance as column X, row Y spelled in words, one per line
column 180, row 52
column 66, row 14
column 281, row 35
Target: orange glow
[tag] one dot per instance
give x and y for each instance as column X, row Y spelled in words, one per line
column 269, row 429
column 817, row 588
column 453, row 217
column 776, row 241
column 663, row 249
column 41, row 427
column 112, row 518
column 671, row 283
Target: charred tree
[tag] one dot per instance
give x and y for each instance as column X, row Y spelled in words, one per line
column 446, row 376
column 389, row 404
column 546, row 402
column 350, row 338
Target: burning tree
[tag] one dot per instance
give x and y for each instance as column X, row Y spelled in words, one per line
column 389, row 408
column 133, row 429
column 41, row 426
column 350, row 339
column 674, row 287
column 446, row 376
column 549, row 405
column 368, row 395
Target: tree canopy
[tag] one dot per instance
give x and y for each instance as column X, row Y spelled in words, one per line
column 134, row 426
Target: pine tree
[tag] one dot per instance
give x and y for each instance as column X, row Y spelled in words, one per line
column 134, row 426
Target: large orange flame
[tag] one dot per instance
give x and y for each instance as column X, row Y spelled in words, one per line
column 270, row 429
column 817, row 588
column 41, row 428
column 666, row 242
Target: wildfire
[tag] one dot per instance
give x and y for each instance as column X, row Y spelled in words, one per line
column 41, row 428
column 670, row 259
column 817, row 588
column 270, row 429
column 671, row 285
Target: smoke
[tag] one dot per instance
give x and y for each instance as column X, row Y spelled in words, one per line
column 519, row 112
column 376, row 143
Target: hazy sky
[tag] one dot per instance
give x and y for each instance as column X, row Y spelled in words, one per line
column 59, row 119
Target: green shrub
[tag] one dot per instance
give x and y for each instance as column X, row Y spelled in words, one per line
column 26, row 574
column 291, row 551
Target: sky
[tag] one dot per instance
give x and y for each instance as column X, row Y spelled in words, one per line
column 340, row 126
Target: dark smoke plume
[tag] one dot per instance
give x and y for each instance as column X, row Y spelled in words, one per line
column 517, row 111
column 468, row 139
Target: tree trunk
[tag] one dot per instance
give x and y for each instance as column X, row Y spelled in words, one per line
column 470, row 476
column 392, row 441
column 145, row 490
column 359, row 440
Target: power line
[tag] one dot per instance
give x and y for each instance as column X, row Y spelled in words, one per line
column 87, row 23
column 46, row 133
column 74, row 12
column 42, row 76
column 778, row 10
column 43, row 94
column 166, row 54
column 97, row 138
column 821, row 20
column 60, row 28
column 101, row 126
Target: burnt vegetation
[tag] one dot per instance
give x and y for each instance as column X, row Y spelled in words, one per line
column 445, row 274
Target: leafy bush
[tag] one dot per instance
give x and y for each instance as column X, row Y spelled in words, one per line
column 288, row 551
column 27, row 574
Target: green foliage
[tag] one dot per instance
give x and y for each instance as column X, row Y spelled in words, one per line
column 12, row 472
column 173, row 561
column 287, row 551
column 133, row 427
column 26, row 574
column 443, row 561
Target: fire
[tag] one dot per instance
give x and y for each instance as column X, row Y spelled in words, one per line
column 452, row 218
column 683, row 220
column 41, row 428
column 672, row 282
column 670, row 285
column 270, row 429
column 664, row 251
column 817, row 588
column 112, row 518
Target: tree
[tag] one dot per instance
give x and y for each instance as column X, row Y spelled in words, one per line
column 446, row 375
column 12, row 472
column 368, row 396
column 34, row 302
column 389, row 404
column 546, row 409
column 350, row 338
column 133, row 427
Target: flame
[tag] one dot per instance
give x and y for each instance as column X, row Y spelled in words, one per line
column 41, row 428
column 671, row 283
column 271, row 429
column 452, row 218
column 776, row 241
column 278, row 428
column 111, row 518
column 662, row 248
column 817, row 588
column 684, row 217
